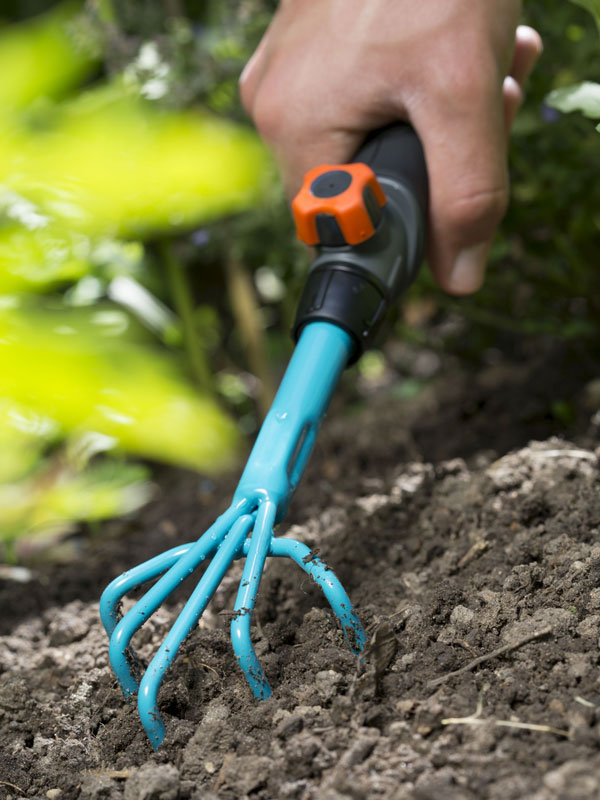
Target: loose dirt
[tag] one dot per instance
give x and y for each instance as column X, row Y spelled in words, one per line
column 464, row 524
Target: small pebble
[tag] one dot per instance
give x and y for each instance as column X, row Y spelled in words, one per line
column 52, row 794
column 462, row 617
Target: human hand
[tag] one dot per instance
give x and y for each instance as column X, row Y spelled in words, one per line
column 329, row 71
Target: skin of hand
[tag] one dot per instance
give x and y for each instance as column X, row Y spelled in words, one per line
column 329, row 71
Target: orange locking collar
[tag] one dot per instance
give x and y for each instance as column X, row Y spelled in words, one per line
column 338, row 204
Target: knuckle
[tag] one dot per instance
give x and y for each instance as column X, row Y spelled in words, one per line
column 478, row 211
column 267, row 116
column 461, row 83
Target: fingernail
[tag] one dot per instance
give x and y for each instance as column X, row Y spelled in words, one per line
column 469, row 269
column 512, row 87
column 526, row 31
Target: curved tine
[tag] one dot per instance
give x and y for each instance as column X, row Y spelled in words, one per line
column 332, row 588
column 121, row 659
column 258, row 550
column 117, row 589
column 189, row 616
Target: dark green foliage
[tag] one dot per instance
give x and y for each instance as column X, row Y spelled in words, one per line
column 205, row 44
column 543, row 275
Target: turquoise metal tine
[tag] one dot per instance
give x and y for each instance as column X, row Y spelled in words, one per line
column 189, row 616
column 117, row 589
column 260, row 543
column 278, row 547
column 332, row 588
column 120, row 657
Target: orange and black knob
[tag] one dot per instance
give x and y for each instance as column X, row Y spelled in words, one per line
column 338, row 205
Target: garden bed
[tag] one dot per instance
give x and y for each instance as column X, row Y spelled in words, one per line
column 463, row 522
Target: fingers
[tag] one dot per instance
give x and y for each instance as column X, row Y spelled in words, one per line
column 462, row 129
column 313, row 99
column 469, row 189
column 512, row 96
column 528, row 48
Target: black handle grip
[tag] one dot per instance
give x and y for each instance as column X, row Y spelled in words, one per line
column 355, row 286
column 396, row 152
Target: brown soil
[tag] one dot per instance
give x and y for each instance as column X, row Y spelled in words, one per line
column 466, row 546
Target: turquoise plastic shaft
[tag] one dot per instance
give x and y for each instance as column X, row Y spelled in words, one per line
column 287, row 435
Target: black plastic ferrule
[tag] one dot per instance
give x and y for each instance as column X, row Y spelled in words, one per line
column 345, row 296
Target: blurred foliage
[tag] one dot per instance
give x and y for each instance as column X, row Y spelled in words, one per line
column 583, row 96
column 92, row 375
column 593, row 6
column 109, row 164
column 41, row 60
column 91, row 357
column 113, row 185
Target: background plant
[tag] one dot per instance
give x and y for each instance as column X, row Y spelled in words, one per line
column 95, row 364
column 190, row 297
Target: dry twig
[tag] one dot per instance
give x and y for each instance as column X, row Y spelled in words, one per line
column 507, row 648
column 476, row 719
column 228, row 758
column 114, row 774
column 11, row 786
column 582, row 701
column 480, row 546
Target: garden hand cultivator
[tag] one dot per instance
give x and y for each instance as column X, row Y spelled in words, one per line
column 367, row 222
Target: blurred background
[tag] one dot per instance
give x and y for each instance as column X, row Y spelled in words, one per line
column 148, row 267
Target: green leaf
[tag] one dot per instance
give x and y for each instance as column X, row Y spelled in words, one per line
column 65, row 369
column 108, row 164
column 41, row 58
column 24, row 435
column 112, row 164
column 584, row 97
column 47, row 504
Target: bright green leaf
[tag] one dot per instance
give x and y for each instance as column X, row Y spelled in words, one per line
column 41, row 58
column 110, row 164
column 24, row 435
column 584, row 97
column 48, row 504
column 103, row 490
column 111, row 385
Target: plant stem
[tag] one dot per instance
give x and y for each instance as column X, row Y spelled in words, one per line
column 247, row 316
column 182, row 299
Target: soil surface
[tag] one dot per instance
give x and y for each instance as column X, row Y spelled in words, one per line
column 462, row 521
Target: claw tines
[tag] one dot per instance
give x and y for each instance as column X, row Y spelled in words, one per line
column 246, row 532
